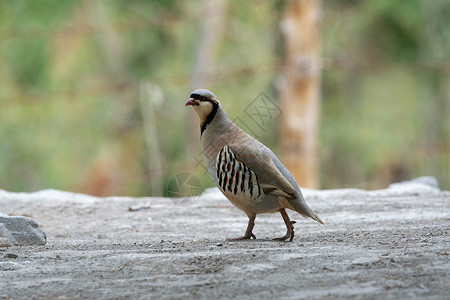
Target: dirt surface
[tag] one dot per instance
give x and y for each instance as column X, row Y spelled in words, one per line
column 390, row 243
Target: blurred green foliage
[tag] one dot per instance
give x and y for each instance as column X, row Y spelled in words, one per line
column 70, row 73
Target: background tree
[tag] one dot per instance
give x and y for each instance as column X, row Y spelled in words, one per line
column 71, row 116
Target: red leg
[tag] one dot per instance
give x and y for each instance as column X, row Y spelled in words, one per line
column 248, row 233
column 289, row 225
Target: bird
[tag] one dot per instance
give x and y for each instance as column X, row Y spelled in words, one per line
column 247, row 172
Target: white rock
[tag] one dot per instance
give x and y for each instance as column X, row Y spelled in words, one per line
column 20, row 231
column 4, row 242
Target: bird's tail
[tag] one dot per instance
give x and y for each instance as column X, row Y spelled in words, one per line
column 316, row 218
column 300, row 206
column 311, row 214
column 303, row 208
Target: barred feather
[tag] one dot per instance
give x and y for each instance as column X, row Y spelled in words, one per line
column 234, row 177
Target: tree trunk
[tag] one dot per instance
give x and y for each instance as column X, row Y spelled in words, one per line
column 151, row 96
column 300, row 90
column 212, row 29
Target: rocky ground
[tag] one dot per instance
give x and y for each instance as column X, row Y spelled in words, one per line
column 391, row 243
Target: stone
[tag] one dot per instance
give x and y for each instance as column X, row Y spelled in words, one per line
column 4, row 242
column 11, row 255
column 427, row 180
column 20, row 231
column 424, row 182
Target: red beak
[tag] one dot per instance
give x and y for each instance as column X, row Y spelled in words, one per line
column 190, row 102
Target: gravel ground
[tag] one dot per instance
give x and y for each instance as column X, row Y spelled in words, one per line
column 391, row 243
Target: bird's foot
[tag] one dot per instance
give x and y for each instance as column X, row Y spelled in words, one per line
column 245, row 237
column 289, row 234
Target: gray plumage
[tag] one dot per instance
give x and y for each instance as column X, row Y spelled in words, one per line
column 246, row 171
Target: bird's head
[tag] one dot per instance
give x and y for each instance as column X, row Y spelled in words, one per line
column 205, row 105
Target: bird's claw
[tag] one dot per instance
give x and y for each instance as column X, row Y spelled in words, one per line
column 289, row 234
column 245, row 237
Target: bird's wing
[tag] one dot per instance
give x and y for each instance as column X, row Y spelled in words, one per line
column 257, row 158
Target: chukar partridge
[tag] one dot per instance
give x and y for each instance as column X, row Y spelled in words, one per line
column 246, row 171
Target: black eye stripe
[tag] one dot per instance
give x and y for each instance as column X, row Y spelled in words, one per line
column 199, row 97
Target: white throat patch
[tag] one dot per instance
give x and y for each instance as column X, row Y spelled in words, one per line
column 203, row 110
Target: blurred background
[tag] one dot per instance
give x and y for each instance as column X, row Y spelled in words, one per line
column 92, row 93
